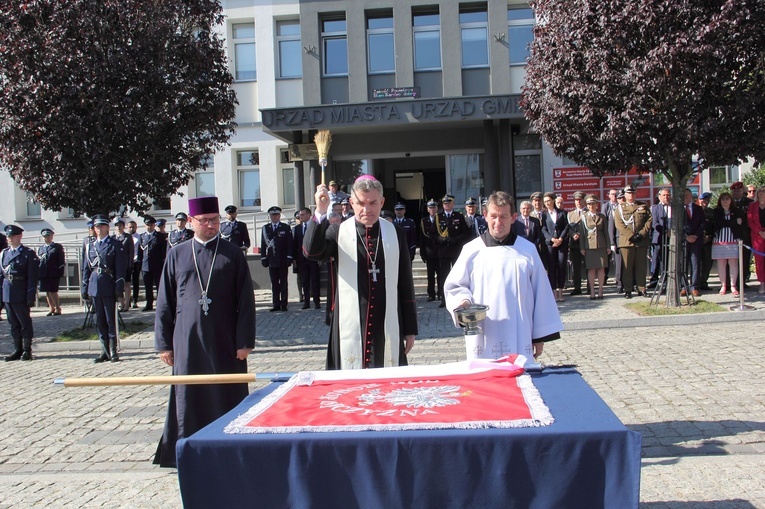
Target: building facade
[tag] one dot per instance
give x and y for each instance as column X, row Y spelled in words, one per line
column 424, row 95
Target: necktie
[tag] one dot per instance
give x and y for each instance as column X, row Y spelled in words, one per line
column 304, row 228
column 688, row 209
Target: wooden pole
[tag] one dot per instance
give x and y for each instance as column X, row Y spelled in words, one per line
column 233, row 378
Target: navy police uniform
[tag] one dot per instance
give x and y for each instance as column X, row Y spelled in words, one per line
column 410, row 230
column 235, row 231
column 181, row 234
column 19, row 275
column 276, row 254
column 153, row 248
column 103, row 279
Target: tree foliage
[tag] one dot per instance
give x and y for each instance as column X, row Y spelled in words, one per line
column 111, row 102
column 649, row 84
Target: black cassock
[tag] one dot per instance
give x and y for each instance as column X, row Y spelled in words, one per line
column 320, row 244
column 202, row 344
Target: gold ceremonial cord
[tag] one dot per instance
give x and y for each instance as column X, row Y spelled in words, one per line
column 444, row 233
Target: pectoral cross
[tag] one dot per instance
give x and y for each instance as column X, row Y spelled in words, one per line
column 374, row 271
column 205, row 303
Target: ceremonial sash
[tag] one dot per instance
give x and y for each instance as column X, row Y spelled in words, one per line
column 349, row 319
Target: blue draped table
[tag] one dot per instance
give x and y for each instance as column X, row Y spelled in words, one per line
column 586, row 459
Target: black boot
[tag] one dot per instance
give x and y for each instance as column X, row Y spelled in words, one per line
column 27, row 355
column 101, row 358
column 14, row 356
column 115, row 355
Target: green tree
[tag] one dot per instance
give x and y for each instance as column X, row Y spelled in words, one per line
column 111, row 102
column 648, row 84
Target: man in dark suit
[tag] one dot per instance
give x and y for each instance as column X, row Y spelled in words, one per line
column 575, row 254
column 308, row 270
column 153, row 248
column 660, row 226
column 103, row 279
column 235, row 231
column 3, row 245
column 452, row 230
column 429, row 248
column 529, row 227
column 693, row 229
column 606, row 209
column 18, row 278
column 276, row 254
column 407, row 225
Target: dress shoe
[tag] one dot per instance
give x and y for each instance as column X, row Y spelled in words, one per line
column 274, row 309
column 619, row 289
column 683, row 293
column 306, row 306
column 431, row 299
column 101, row 358
column 50, row 314
column 14, row 356
column 575, row 292
column 442, row 305
column 317, row 306
column 148, row 308
column 115, row 358
column 628, row 295
column 652, row 285
column 284, row 308
column 26, row 356
column 135, row 305
column 695, row 293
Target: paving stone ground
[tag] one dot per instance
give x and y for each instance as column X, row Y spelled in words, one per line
column 692, row 387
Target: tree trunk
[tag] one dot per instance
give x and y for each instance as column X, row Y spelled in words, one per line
column 680, row 171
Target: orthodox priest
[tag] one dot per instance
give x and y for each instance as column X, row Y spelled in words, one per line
column 504, row 271
column 205, row 324
column 374, row 319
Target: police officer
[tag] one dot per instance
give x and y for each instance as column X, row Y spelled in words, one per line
column 135, row 273
column 276, row 254
column 3, row 245
column 52, row 266
column 181, row 233
column 429, row 248
column 234, row 231
column 153, row 248
column 103, row 279
column 408, row 225
column 128, row 246
column 452, row 230
column 475, row 222
column 18, row 277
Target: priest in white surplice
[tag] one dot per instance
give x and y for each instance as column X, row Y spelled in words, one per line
column 504, row 271
column 374, row 314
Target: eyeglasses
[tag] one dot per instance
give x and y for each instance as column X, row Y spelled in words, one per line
column 205, row 221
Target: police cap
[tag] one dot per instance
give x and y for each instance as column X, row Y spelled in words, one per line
column 447, row 198
column 46, row 231
column 182, row 216
column 399, row 206
column 100, row 219
column 274, row 210
column 149, row 220
column 161, row 222
column 230, row 209
column 12, row 229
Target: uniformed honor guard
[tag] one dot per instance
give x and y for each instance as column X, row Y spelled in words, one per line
column 633, row 223
column 89, row 239
column 20, row 268
column 429, row 249
column 103, row 279
column 153, row 248
column 52, row 266
column 3, row 245
column 128, row 246
column 276, row 254
column 410, row 229
column 234, row 231
column 181, row 233
column 475, row 222
column 452, row 230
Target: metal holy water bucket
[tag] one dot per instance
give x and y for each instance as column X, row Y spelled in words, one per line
column 471, row 318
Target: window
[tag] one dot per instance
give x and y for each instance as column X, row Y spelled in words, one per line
column 288, row 41
column 243, row 35
column 520, row 33
column 161, row 204
column 465, row 176
column 248, row 167
column 427, row 41
column 334, row 41
column 380, row 51
column 288, row 178
column 722, row 175
column 204, row 183
column 34, row 210
column 474, row 29
column 528, row 164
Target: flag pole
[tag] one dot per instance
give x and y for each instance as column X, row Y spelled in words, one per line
column 230, row 378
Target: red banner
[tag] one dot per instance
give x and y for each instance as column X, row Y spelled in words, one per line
column 469, row 399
